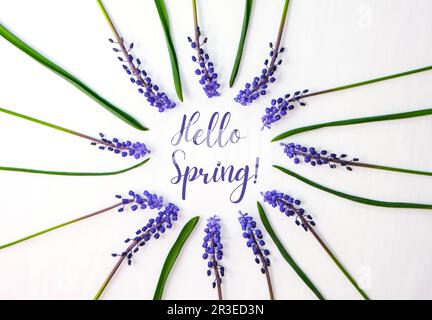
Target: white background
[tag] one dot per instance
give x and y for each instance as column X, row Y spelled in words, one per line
column 329, row 43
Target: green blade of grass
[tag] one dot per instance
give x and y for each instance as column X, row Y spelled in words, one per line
column 371, row 202
column 172, row 256
column 66, row 173
column 386, row 117
column 9, row 36
column 245, row 27
column 163, row 15
column 285, row 254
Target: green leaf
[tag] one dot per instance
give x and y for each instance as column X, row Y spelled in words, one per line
column 285, row 254
column 5, row 33
column 387, row 117
column 172, row 256
column 163, row 15
column 371, row 202
column 66, row 173
column 246, row 19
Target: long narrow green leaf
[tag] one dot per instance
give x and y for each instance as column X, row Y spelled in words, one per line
column 386, row 117
column 172, row 256
column 245, row 27
column 164, row 18
column 9, row 36
column 66, row 173
column 285, row 254
column 371, row 202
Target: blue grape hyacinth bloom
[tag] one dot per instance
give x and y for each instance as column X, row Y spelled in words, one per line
column 279, row 107
column 289, row 206
column 139, row 77
column 205, row 68
column 213, row 250
column 258, row 87
column 315, row 157
column 124, row 148
column 167, row 214
column 254, row 237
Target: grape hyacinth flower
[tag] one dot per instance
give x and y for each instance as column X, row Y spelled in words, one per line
column 315, row 157
column 213, row 252
column 205, row 68
column 133, row 201
column 132, row 67
column 279, row 107
column 291, row 207
column 153, row 229
column 258, row 87
column 124, row 148
column 138, row 201
column 255, row 241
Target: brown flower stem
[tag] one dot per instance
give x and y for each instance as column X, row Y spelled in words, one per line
column 120, row 42
column 266, row 269
column 197, row 39
column 216, row 272
column 348, row 163
column 307, row 226
column 275, row 49
column 362, row 83
column 60, row 225
column 121, row 259
column 114, row 270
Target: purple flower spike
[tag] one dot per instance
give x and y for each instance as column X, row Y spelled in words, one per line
column 289, row 206
column 138, row 76
column 280, row 107
column 205, row 68
column 316, row 157
column 126, row 148
column 258, row 87
column 213, row 251
column 155, row 227
column 138, row 201
column 255, row 240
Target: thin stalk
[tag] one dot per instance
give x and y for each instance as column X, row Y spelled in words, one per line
column 266, row 269
column 60, row 226
column 197, row 39
column 348, row 164
column 76, row 174
column 121, row 259
column 359, row 84
column 120, row 42
column 53, row 126
column 276, row 46
column 307, row 225
column 114, row 270
column 216, row 272
column 333, row 257
column 347, row 122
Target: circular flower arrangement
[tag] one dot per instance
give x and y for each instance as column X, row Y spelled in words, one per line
column 255, row 227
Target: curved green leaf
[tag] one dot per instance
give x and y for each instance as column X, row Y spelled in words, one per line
column 285, row 254
column 386, row 117
column 245, row 27
column 66, row 173
column 172, row 256
column 163, row 15
column 5, row 33
column 371, row 202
